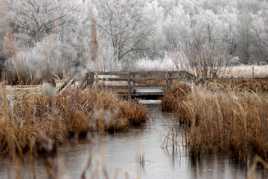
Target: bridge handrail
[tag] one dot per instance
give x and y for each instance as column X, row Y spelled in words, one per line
column 132, row 78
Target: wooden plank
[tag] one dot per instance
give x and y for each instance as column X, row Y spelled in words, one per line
column 147, row 94
column 119, row 73
column 134, row 72
column 137, row 80
column 148, row 91
column 112, row 79
column 113, row 87
column 140, row 73
column 154, row 78
column 149, row 85
column 154, row 72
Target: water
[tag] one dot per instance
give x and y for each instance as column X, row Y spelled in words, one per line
column 140, row 153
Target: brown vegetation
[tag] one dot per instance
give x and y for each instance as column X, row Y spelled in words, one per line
column 37, row 123
column 240, row 84
column 172, row 98
column 223, row 121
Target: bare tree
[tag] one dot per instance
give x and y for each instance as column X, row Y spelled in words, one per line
column 94, row 41
column 3, row 21
column 38, row 18
column 245, row 34
column 260, row 33
column 207, row 56
column 122, row 24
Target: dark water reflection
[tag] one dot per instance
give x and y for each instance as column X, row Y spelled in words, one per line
column 140, row 153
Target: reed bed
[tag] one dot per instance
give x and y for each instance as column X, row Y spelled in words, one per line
column 240, row 84
column 223, row 121
column 36, row 124
column 173, row 97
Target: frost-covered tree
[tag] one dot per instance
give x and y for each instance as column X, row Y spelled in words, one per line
column 245, row 36
column 204, row 33
column 47, row 34
column 123, row 26
column 260, row 31
column 35, row 19
column 3, row 22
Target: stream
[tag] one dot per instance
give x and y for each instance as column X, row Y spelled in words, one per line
column 138, row 154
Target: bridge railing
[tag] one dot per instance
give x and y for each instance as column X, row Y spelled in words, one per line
column 129, row 81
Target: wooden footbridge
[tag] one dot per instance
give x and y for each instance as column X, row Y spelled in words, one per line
column 143, row 85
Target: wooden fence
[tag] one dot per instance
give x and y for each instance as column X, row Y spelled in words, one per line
column 131, row 83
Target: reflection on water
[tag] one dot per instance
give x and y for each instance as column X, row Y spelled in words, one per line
column 141, row 153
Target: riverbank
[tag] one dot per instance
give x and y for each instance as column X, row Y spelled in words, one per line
column 226, row 121
column 38, row 124
column 135, row 154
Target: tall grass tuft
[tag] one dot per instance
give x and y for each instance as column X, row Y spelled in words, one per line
column 38, row 123
column 230, row 122
column 172, row 101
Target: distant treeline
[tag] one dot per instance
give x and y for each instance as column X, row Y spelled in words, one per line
column 52, row 35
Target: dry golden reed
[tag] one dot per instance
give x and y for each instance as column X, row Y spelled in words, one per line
column 37, row 123
column 240, row 84
column 224, row 121
column 170, row 102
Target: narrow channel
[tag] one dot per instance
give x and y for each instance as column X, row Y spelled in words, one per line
column 146, row 153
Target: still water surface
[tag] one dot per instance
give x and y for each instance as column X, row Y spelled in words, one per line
column 140, row 153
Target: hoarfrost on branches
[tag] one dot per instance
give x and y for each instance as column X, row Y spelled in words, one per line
column 114, row 34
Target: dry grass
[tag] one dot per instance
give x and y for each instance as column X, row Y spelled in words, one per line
column 38, row 123
column 178, row 92
column 245, row 71
column 229, row 122
column 246, row 84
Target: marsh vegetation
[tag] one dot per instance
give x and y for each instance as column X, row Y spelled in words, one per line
column 140, row 153
column 48, row 43
column 38, row 124
column 222, row 119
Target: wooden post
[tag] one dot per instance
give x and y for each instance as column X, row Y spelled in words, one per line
column 96, row 80
column 133, row 77
column 168, row 76
column 90, row 79
column 129, row 86
column 253, row 72
column 170, row 79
